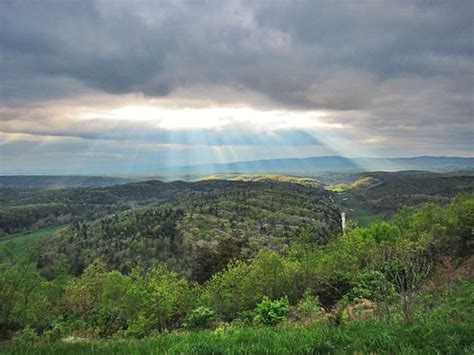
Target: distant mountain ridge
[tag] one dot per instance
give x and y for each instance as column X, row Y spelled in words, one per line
column 328, row 163
column 58, row 181
column 312, row 166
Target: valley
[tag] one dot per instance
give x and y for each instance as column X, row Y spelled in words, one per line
column 236, row 177
column 140, row 258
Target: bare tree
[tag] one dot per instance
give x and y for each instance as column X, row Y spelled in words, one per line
column 408, row 272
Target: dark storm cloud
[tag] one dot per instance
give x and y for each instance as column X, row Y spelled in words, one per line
column 282, row 49
column 388, row 38
column 49, row 41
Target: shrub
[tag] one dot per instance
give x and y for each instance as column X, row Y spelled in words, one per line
column 56, row 330
column 199, row 318
column 271, row 312
column 27, row 336
column 139, row 327
column 245, row 319
column 372, row 285
column 372, row 294
column 308, row 309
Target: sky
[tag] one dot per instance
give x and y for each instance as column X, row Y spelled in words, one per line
column 101, row 86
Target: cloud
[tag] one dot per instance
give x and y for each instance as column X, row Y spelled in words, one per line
column 398, row 69
column 148, row 131
column 282, row 49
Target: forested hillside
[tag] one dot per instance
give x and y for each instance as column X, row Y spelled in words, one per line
column 256, row 256
column 195, row 228
column 365, row 196
column 305, row 181
column 398, row 286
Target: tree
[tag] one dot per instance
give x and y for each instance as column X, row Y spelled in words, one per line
column 83, row 293
column 408, row 272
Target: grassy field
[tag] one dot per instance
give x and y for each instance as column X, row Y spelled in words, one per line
column 355, row 211
column 24, row 241
column 361, row 215
column 361, row 337
column 353, row 208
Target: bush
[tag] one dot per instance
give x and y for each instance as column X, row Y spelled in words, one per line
column 372, row 294
column 27, row 336
column 139, row 327
column 372, row 285
column 271, row 312
column 245, row 319
column 56, row 330
column 308, row 309
column 199, row 318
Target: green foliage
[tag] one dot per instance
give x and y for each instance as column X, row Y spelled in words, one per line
column 24, row 297
column 308, row 308
column 169, row 297
column 199, row 318
column 26, row 336
column 372, row 285
column 271, row 312
column 59, row 328
column 242, row 285
column 136, row 304
column 370, row 195
column 83, row 294
column 139, row 327
column 396, row 266
column 193, row 228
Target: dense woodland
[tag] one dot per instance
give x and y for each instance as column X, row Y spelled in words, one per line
column 44, row 204
column 197, row 231
column 232, row 256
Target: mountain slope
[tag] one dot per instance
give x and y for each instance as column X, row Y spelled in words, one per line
column 196, row 228
column 383, row 193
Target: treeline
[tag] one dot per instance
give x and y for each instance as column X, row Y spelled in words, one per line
column 383, row 272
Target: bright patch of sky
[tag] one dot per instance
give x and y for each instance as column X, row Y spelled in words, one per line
column 215, row 118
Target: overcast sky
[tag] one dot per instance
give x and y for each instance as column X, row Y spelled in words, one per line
column 126, row 86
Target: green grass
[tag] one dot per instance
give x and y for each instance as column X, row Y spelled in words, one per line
column 360, row 183
column 338, row 187
column 355, row 337
column 362, row 216
column 355, row 211
column 24, row 241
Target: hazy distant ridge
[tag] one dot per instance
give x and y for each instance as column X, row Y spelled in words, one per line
column 327, row 163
